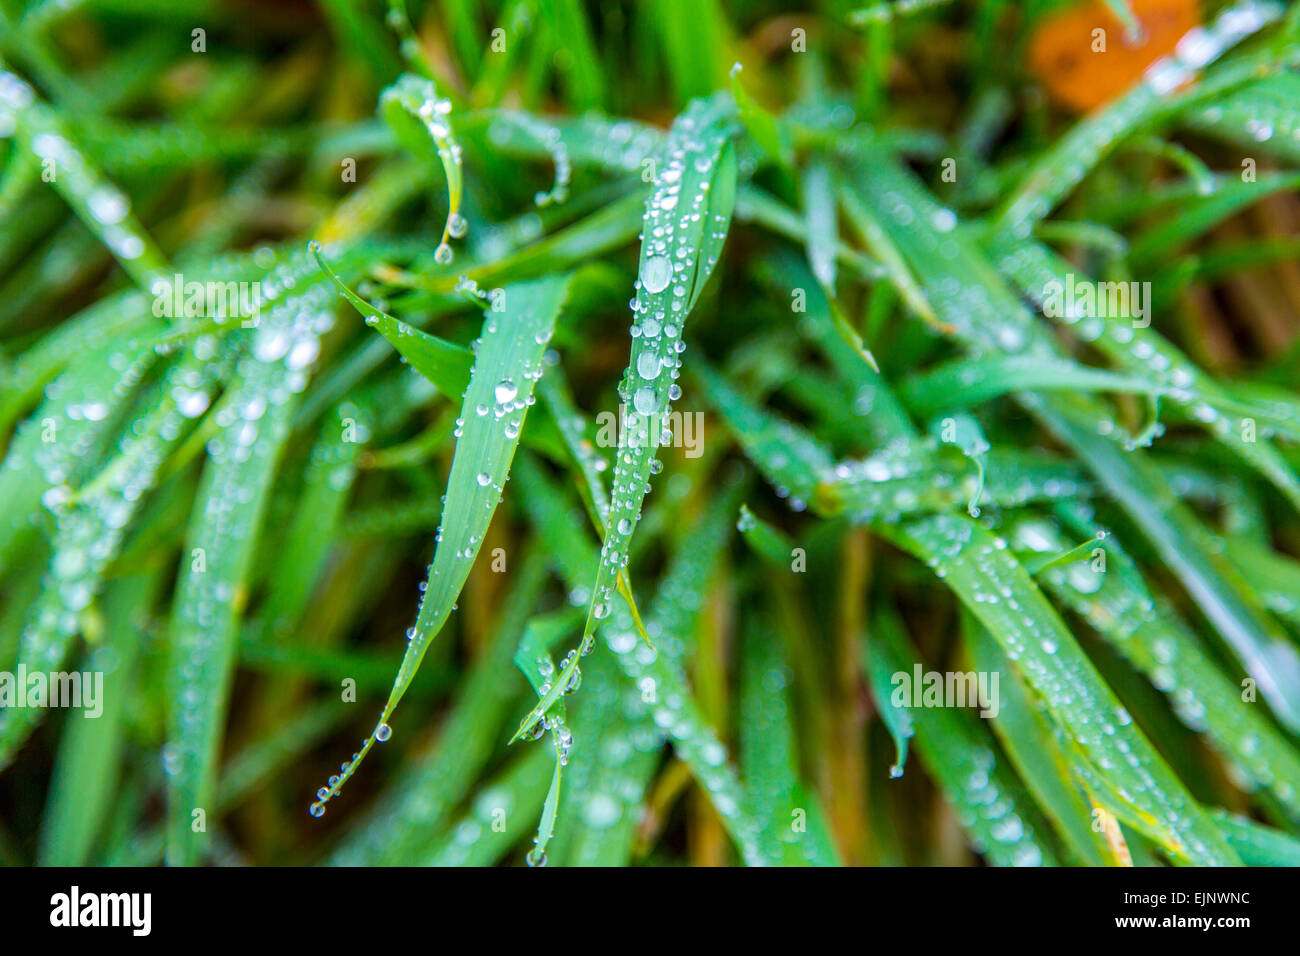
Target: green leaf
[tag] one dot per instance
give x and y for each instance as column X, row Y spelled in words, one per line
column 508, row 362
column 991, row 803
column 685, row 224
column 1122, row 766
column 446, row 365
column 210, row 591
column 419, row 116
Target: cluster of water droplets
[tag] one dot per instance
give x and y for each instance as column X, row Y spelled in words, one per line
column 253, row 421
column 515, row 343
column 92, row 513
column 988, row 812
column 621, row 744
column 1138, row 349
column 677, row 212
column 90, row 519
column 656, row 672
column 1202, row 45
column 1233, row 116
column 1080, row 701
column 1117, row 605
column 102, row 204
column 616, row 145
column 419, row 97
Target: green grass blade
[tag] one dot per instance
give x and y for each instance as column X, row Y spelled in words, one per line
column 991, row 803
column 1139, row 786
column 508, row 362
column 685, row 224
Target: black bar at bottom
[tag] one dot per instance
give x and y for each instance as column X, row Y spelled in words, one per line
column 330, row 907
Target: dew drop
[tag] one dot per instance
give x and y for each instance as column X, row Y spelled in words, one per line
column 656, row 274
column 645, row 401
column 505, row 391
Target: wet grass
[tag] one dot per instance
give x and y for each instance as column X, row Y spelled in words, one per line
column 578, row 424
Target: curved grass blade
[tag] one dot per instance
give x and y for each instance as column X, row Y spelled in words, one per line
column 987, row 315
column 966, row 382
column 533, row 658
column 104, row 208
column 1257, row 845
column 1260, row 116
column 685, row 225
column 1273, row 578
column 409, row 819
column 1122, row 766
column 1070, row 159
column 789, row 457
column 659, row 673
column 209, row 596
column 991, row 803
column 327, row 481
column 618, row 751
column 508, row 362
column 514, row 797
column 1040, row 753
column 446, row 365
column 90, row 753
column 252, row 426
column 419, row 117
column 1117, row 603
column 49, row 453
column 91, row 522
column 1182, row 544
column 908, row 480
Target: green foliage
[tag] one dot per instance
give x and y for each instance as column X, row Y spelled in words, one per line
column 319, row 394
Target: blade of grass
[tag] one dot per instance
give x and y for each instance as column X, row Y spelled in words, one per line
column 508, row 362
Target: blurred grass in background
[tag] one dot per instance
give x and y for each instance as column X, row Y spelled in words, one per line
column 840, row 230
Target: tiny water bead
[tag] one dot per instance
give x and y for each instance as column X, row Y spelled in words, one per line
column 383, row 732
column 317, row 809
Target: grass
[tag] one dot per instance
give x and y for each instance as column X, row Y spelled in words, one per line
column 577, row 422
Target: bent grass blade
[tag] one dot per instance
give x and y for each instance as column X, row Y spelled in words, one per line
column 508, row 363
column 1122, row 766
column 686, row 222
column 420, row 118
